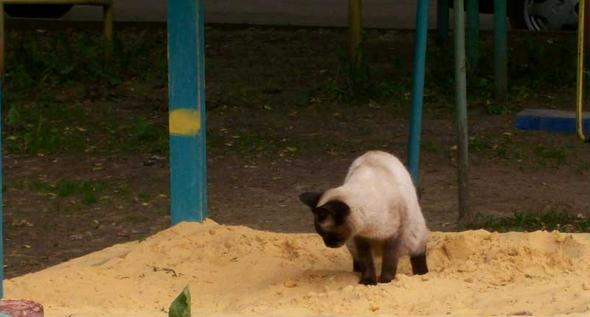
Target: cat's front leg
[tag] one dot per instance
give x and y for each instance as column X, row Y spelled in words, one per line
column 390, row 260
column 356, row 265
column 365, row 261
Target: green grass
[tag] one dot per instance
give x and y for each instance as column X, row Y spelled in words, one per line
column 557, row 219
column 49, row 78
column 86, row 191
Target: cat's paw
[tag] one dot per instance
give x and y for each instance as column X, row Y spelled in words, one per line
column 386, row 278
column 368, row 281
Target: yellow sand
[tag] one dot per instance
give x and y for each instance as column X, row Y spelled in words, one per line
column 240, row 271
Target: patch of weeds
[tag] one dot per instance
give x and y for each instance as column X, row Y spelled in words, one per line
column 47, row 67
column 518, row 94
column 86, row 190
column 247, row 142
column 136, row 219
column 123, row 191
column 40, row 61
column 550, row 156
column 33, row 133
column 480, row 144
column 556, row 219
column 430, row 146
column 141, row 136
column 355, row 81
column 495, row 108
column 143, row 197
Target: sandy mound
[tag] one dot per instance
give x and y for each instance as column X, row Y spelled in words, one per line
column 236, row 270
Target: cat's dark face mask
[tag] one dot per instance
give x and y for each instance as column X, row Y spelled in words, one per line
column 330, row 219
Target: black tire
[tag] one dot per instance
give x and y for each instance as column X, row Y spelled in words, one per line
column 39, row 11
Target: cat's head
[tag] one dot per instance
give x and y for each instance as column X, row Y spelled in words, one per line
column 331, row 220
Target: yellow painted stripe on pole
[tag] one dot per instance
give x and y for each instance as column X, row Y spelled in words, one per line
column 185, row 122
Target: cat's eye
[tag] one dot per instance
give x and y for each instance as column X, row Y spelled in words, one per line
column 322, row 217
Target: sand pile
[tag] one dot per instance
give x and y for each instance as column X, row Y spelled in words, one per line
column 236, row 270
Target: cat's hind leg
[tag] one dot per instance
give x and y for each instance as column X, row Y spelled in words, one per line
column 356, row 265
column 419, row 264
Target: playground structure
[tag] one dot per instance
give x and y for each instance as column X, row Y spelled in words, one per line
column 188, row 163
column 187, row 94
column 565, row 121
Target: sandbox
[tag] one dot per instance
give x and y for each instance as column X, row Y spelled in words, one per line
column 240, row 271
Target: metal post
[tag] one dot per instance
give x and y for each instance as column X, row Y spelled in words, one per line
column 442, row 21
column 586, row 26
column 501, row 54
column 108, row 30
column 472, row 33
column 461, row 92
column 186, row 85
column 418, row 88
column 2, row 40
column 355, row 32
column 1, row 208
column 580, row 69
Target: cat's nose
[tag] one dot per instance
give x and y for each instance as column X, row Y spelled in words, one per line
column 333, row 244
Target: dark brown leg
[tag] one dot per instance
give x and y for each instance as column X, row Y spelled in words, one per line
column 365, row 260
column 356, row 266
column 419, row 264
column 390, row 259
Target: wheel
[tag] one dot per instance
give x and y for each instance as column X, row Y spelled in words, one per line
column 544, row 15
column 43, row 11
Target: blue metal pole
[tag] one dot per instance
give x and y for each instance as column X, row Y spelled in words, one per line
column 1, row 180
column 501, row 49
column 1, row 210
column 186, row 88
column 418, row 88
column 442, row 21
column 472, row 33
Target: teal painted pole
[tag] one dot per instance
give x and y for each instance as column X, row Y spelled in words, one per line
column 472, row 33
column 442, row 21
column 418, row 88
column 186, row 89
column 501, row 50
column 1, row 197
column 461, row 93
column 1, row 172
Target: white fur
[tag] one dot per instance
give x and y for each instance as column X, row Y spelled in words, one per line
column 383, row 202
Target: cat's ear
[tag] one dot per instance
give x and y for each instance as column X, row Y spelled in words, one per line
column 310, row 199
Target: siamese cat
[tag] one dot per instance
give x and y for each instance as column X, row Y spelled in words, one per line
column 375, row 212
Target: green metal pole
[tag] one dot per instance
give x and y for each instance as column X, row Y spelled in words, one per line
column 442, row 21
column 472, row 33
column 461, row 92
column 355, row 31
column 501, row 54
